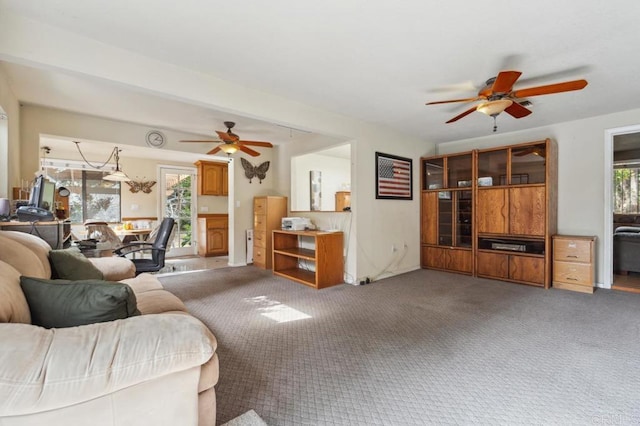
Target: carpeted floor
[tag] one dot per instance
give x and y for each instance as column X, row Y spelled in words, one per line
column 421, row 348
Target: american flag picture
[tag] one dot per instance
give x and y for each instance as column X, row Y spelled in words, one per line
column 393, row 177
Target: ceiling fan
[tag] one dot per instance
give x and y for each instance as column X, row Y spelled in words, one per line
column 498, row 95
column 232, row 143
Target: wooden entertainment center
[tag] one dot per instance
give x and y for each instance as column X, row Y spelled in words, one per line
column 491, row 212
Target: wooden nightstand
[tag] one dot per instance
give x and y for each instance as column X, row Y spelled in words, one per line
column 574, row 262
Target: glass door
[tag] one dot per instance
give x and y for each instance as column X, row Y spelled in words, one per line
column 178, row 200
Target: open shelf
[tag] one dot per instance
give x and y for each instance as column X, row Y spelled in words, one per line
column 319, row 267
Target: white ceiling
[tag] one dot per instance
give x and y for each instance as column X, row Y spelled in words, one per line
column 378, row 61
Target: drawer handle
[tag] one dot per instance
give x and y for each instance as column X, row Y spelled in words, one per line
column 572, row 255
column 572, row 279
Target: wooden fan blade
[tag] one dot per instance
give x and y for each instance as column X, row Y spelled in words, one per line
column 227, row 137
column 214, row 150
column 505, row 81
column 464, row 114
column 256, row 143
column 517, row 111
column 201, row 141
column 248, row 151
column 567, row 86
column 456, row 100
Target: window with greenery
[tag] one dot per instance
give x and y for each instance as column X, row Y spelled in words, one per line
column 626, row 182
column 91, row 196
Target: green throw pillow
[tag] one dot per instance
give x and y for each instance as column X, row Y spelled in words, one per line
column 70, row 264
column 64, row 303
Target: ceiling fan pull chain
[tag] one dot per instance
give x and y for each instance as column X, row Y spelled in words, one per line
column 495, row 126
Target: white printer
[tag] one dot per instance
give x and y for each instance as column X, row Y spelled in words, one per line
column 295, row 223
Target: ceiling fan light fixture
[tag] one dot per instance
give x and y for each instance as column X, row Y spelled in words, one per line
column 492, row 108
column 229, row 148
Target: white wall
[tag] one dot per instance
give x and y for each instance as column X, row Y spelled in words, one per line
column 581, row 203
column 377, row 224
column 9, row 138
column 335, row 173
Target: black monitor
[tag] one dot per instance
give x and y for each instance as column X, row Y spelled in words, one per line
column 43, row 194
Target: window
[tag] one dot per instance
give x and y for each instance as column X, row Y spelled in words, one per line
column 626, row 182
column 91, row 197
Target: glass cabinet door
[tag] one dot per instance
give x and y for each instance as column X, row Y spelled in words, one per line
column 459, row 169
column 528, row 164
column 464, row 209
column 445, row 218
column 492, row 168
column 434, row 173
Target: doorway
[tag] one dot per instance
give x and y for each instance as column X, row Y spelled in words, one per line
column 622, row 209
column 178, row 201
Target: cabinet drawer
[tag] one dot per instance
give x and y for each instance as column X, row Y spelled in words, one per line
column 217, row 223
column 572, row 273
column 259, row 205
column 259, row 239
column 260, row 222
column 259, row 256
column 571, row 250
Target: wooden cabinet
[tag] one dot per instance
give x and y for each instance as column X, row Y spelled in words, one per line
column 268, row 212
column 313, row 258
column 512, row 267
column 343, row 201
column 447, row 213
column 573, row 262
column 213, row 235
column 448, row 259
column 213, row 178
column 509, row 194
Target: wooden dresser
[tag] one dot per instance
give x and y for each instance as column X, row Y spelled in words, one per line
column 268, row 212
column 573, row 262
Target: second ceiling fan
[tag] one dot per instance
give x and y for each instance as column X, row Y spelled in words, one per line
column 498, row 95
column 232, row 143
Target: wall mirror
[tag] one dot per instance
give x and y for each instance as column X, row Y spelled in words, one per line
column 321, row 180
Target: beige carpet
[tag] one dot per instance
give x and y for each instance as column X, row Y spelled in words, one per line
column 421, row 348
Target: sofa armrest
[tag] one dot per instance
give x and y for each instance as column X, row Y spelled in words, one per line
column 44, row 369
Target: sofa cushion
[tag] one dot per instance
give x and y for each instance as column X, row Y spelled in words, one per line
column 13, row 305
column 65, row 303
column 158, row 302
column 70, row 264
column 22, row 258
column 114, row 268
column 34, row 243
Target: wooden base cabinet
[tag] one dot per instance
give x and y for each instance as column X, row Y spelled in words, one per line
column 213, row 235
column 573, row 262
column 448, row 259
column 512, row 267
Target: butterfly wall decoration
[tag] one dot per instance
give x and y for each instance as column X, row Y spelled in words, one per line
column 251, row 171
column 144, row 186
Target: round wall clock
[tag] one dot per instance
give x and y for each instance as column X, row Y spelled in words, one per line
column 155, row 139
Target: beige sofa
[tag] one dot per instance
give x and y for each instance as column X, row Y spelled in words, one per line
column 158, row 368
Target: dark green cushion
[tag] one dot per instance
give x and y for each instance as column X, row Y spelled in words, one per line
column 64, row 303
column 70, row 264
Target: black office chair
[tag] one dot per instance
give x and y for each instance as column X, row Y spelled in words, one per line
column 158, row 248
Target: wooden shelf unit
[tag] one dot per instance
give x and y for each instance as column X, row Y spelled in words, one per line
column 513, row 211
column 325, row 257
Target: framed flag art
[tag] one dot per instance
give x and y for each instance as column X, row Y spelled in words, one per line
column 394, row 177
